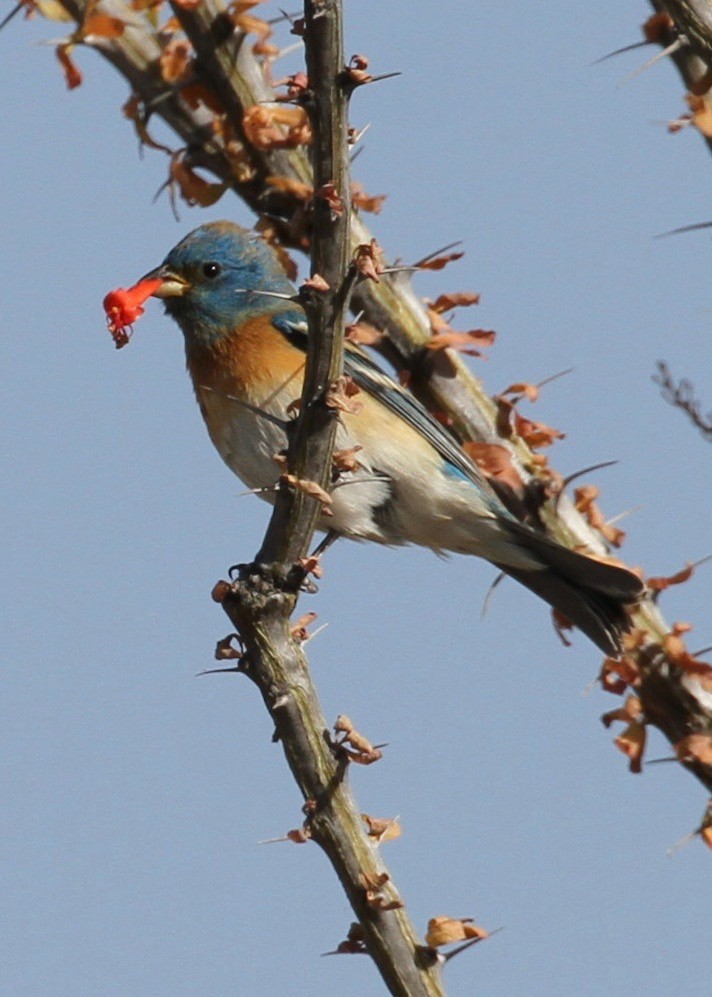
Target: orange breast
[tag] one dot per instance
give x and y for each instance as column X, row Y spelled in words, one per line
column 249, row 364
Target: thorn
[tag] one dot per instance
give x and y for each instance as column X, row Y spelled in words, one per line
column 9, row 17
column 490, row 592
column 260, row 491
column 267, row 294
column 218, row 671
column 355, row 154
column 680, row 42
column 468, row 944
column 443, row 249
column 579, row 474
column 681, row 843
column 620, row 51
column 331, row 537
column 274, row 419
column 412, row 268
column 622, row 515
column 341, row 483
column 554, row 377
column 660, row 761
column 385, row 76
column 357, row 136
column 285, row 15
column 315, row 633
column 682, row 229
column 704, row 650
column 588, row 689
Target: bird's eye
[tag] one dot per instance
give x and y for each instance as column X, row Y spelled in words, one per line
column 211, row 270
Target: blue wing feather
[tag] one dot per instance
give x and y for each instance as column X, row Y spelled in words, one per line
column 370, row 378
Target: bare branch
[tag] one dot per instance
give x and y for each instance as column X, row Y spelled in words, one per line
column 681, row 394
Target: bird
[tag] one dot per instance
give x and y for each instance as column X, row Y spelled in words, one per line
column 245, row 336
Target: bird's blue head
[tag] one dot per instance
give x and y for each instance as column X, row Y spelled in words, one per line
column 215, row 278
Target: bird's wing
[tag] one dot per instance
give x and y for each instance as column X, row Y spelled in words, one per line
column 371, row 379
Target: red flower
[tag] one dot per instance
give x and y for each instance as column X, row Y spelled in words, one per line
column 124, row 305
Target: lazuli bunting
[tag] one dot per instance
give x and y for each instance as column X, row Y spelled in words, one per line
column 413, row 484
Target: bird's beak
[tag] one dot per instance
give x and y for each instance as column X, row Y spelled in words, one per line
column 171, row 286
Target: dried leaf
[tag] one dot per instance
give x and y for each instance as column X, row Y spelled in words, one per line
column 72, row 73
column 373, row 881
column 523, row 389
column 676, row 650
column 695, row 748
column 366, row 202
column 132, row 111
column 655, row 28
column 661, row 583
column 328, row 192
column 316, row 283
column 344, row 461
column 438, row 262
column 356, row 70
column 343, row 724
column 193, row 188
column 176, row 60
column 464, row 342
column 276, row 127
column 364, row 757
column 536, row 434
column 310, row 488
column 701, row 113
column 299, row 835
column 632, row 743
column 224, row 651
column 363, row 752
column 562, row 624
column 619, row 673
column 364, row 334
column 584, row 500
column 340, row 394
column 354, row 943
column 460, row 299
column 195, row 94
column 297, row 86
column 381, row 828
column 298, row 629
column 295, row 188
column 102, row 26
column 495, row 461
column 445, row 930
column 369, row 260
column 630, row 712
column 312, row 566
column 359, row 743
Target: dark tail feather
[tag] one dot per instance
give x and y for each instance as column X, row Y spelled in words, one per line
column 590, row 593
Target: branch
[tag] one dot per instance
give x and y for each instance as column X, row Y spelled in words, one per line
column 671, row 696
column 682, row 395
column 693, row 23
column 261, row 602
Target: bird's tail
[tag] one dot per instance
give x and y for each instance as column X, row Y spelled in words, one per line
column 592, row 594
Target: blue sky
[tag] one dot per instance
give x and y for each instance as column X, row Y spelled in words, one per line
column 134, row 793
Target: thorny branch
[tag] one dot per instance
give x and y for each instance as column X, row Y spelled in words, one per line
column 223, row 110
column 681, row 394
